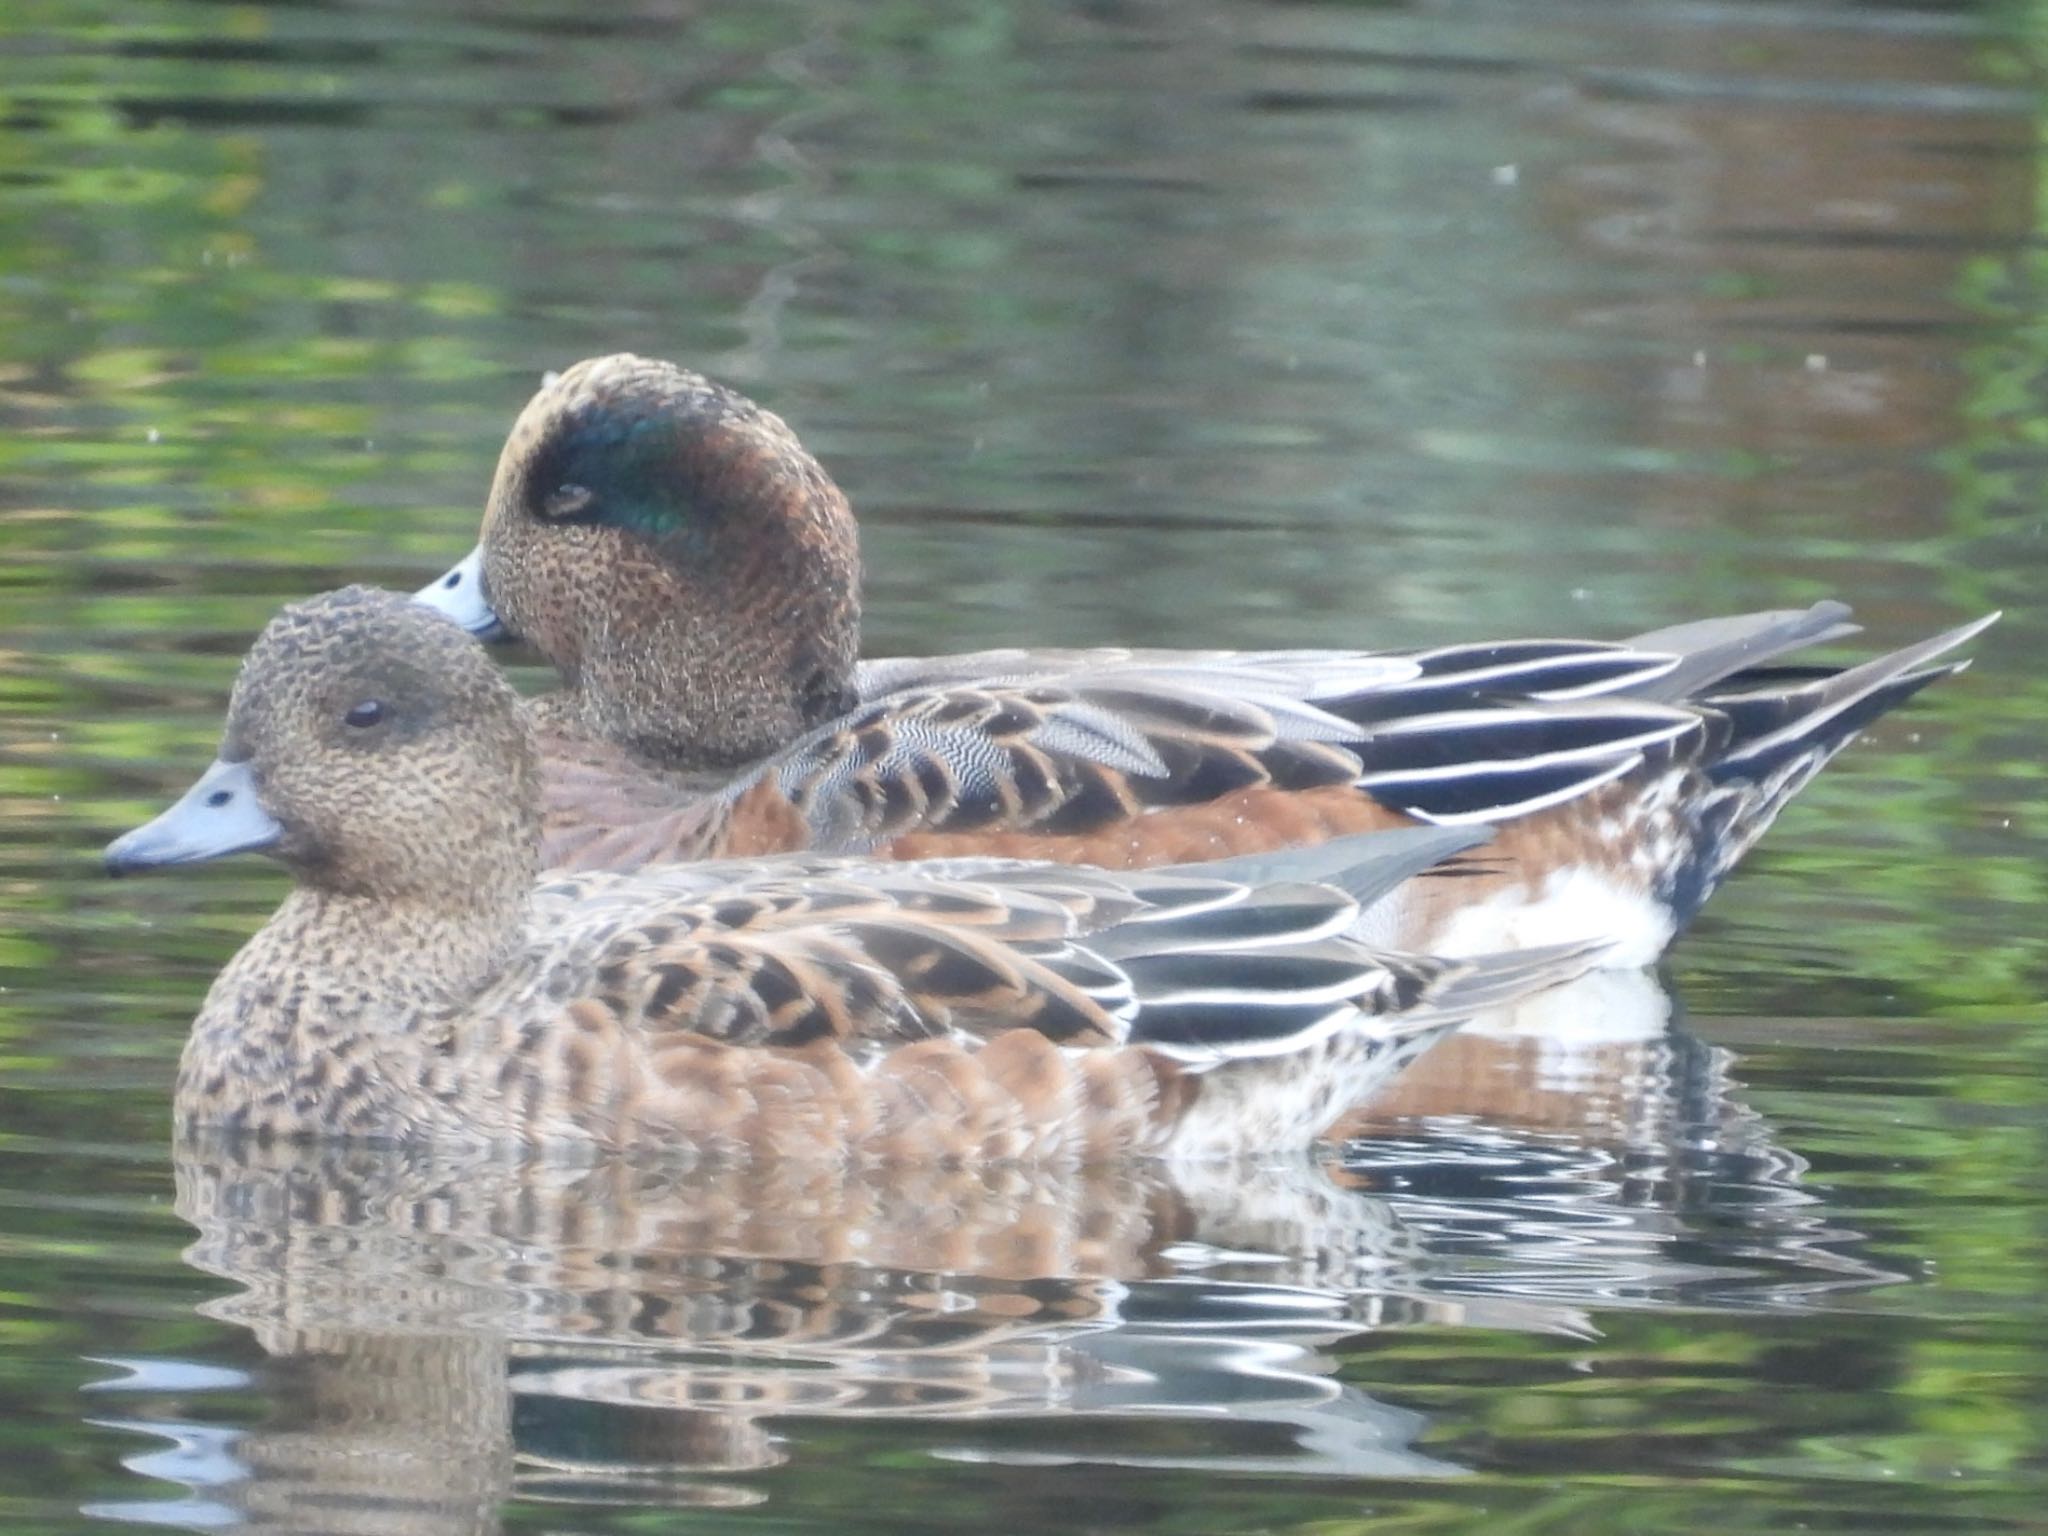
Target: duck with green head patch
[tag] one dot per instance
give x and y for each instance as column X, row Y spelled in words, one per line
column 420, row 983
column 723, row 550
column 693, row 575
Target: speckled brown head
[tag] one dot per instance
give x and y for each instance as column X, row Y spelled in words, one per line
column 687, row 566
column 372, row 748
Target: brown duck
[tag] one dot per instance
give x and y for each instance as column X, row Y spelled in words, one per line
column 418, row 985
column 693, row 574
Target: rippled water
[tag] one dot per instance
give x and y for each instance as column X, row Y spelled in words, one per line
column 1188, row 323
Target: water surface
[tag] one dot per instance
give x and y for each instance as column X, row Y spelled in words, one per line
column 1171, row 324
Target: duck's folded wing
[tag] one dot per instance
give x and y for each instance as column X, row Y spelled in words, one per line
column 790, row 953
column 787, row 954
column 1076, row 756
column 1067, row 764
column 1668, row 666
column 1491, row 763
column 1058, row 757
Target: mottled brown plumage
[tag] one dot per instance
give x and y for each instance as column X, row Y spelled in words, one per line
column 418, row 985
column 692, row 573
column 722, row 547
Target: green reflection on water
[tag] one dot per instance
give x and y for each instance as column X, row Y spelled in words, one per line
column 1230, row 334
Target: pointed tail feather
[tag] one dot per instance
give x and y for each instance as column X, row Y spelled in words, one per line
column 1506, row 977
column 1775, row 726
column 1713, row 650
column 1781, row 733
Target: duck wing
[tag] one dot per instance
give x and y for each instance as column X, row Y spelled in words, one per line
column 1199, row 961
column 1227, row 747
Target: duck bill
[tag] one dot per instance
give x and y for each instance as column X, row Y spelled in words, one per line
column 217, row 816
column 460, row 595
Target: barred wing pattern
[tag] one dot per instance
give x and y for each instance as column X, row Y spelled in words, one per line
column 1651, row 764
column 1073, row 754
column 971, row 1007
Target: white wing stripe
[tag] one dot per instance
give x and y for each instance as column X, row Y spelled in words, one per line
column 1517, row 767
column 1509, row 810
column 1617, row 669
column 1655, row 725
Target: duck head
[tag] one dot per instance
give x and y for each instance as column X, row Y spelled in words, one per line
column 686, row 565
column 373, row 749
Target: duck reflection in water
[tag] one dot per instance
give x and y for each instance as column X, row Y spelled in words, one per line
column 444, row 1334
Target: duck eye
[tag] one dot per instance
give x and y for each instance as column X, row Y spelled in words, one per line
column 566, row 500
column 364, row 715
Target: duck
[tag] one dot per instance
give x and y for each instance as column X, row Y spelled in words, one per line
column 425, row 983
column 692, row 574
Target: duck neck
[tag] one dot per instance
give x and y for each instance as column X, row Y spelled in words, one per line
column 740, row 661
column 436, row 947
column 324, row 1023
column 725, row 637
column 340, row 960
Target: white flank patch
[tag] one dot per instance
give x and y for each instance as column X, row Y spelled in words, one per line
column 1571, row 906
column 1600, row 1009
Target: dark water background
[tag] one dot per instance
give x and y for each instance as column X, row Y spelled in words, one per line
column 1167, row 323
